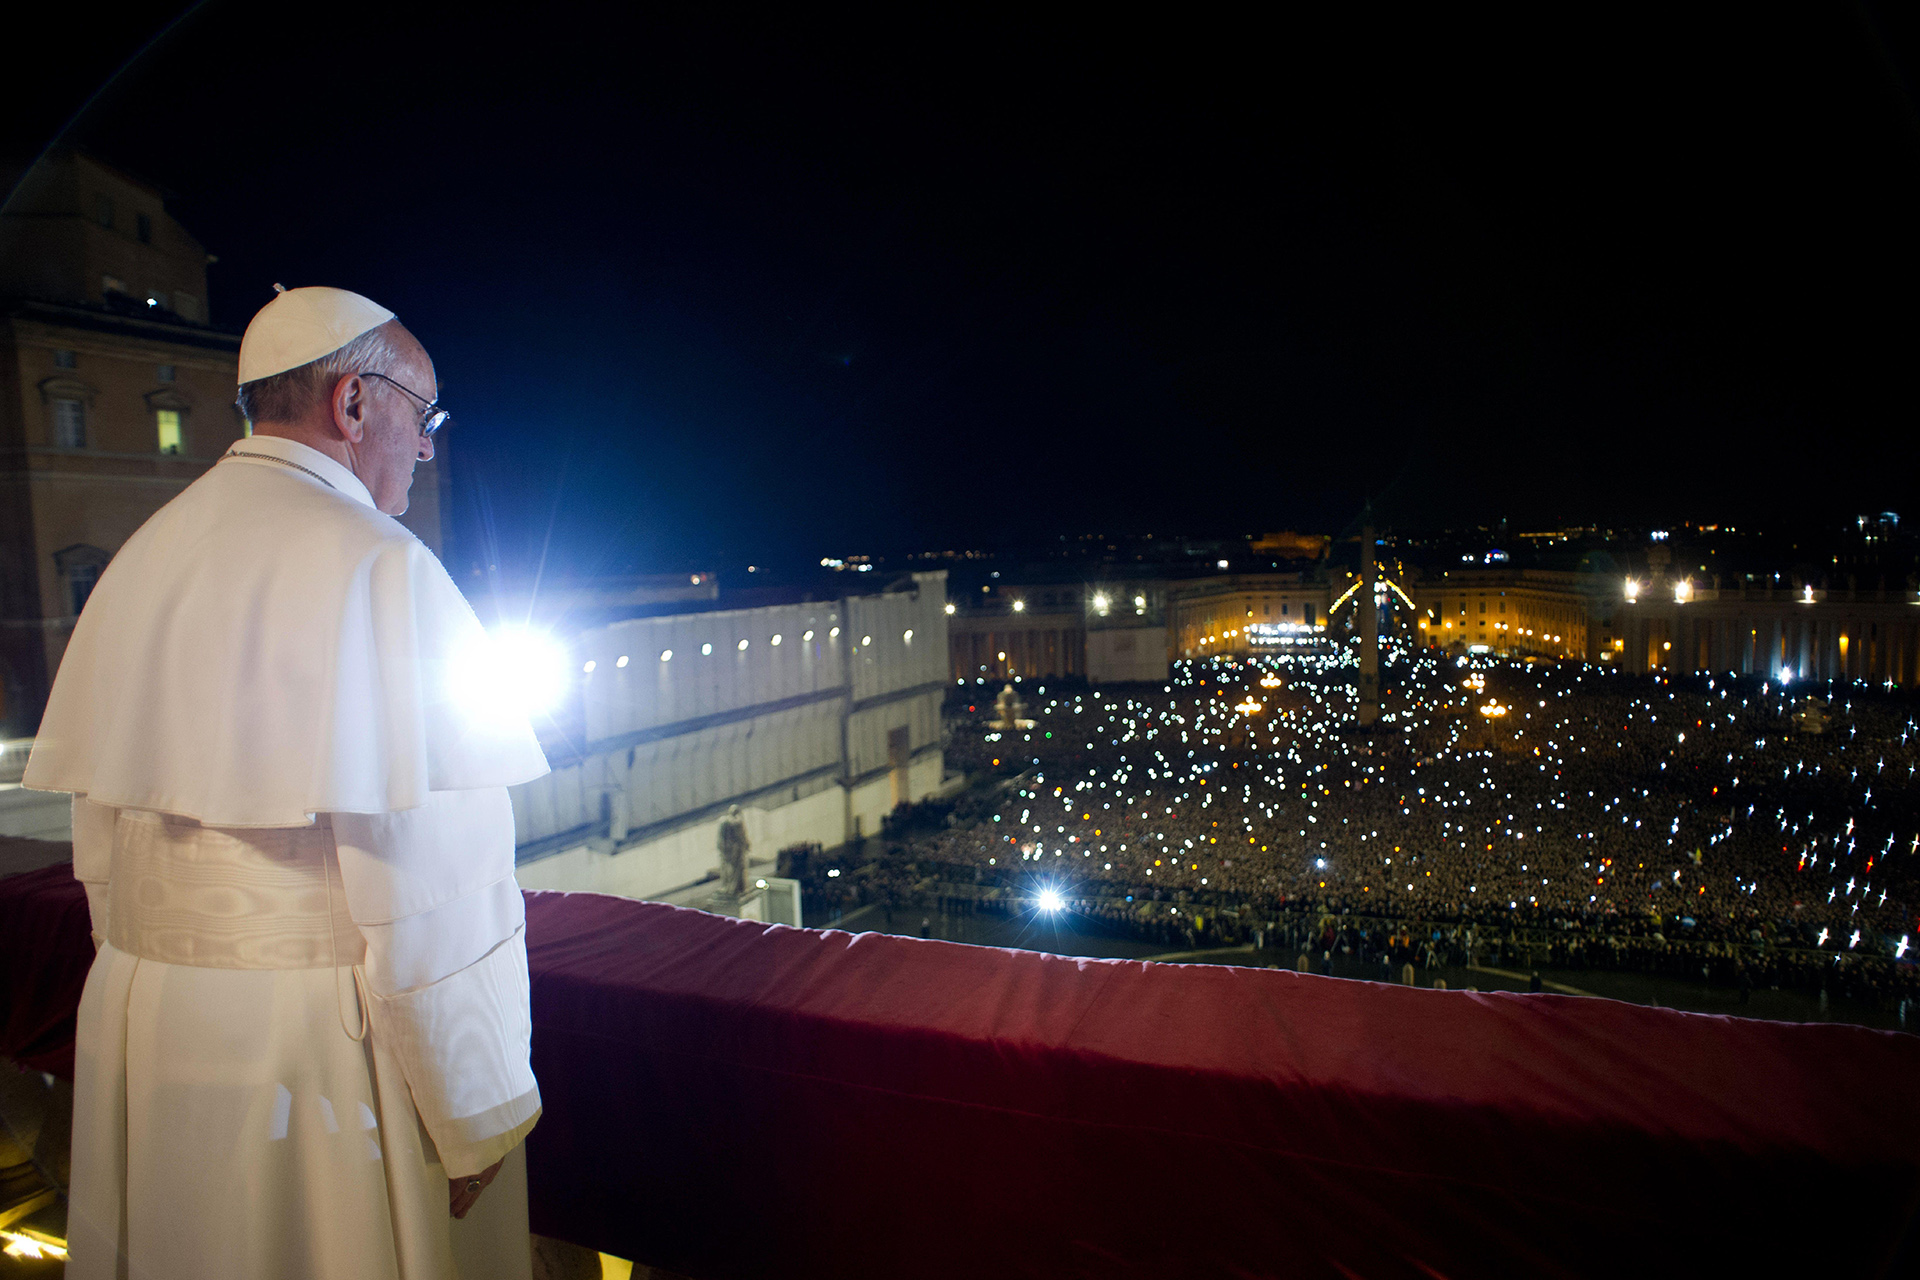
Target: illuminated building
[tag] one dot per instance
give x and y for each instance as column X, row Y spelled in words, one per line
column 816, row 717
column 1246, row 613
column 1515, row 611
column 1807, row 632
column 1112, row 630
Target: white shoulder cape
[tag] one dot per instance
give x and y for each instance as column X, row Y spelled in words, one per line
column 269, row 646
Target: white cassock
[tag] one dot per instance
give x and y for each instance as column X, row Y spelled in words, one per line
column 309, row 1007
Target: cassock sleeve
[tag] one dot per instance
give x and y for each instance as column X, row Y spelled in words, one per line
column 93, row 858
column 433, row 892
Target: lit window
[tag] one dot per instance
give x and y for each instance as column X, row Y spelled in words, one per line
column 69, row 424
column 169, row 423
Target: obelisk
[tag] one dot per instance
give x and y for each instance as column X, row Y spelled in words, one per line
column 1369, row 631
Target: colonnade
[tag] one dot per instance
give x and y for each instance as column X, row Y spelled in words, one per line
column 1008, row 649
column 1876, row 639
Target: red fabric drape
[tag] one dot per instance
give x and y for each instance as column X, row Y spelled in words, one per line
column 732, row 1099
column 46, row 945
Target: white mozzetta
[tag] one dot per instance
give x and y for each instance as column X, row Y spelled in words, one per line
column 269, row 646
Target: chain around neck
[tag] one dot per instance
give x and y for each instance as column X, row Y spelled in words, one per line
column 267, row 457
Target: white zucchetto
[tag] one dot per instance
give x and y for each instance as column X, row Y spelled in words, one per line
column 301, row 325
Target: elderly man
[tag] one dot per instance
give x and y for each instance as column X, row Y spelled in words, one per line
column 303, row 1045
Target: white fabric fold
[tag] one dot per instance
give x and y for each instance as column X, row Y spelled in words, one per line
column 420, row 950
column 401, row 864
column 93, row 859
column 463, row 1044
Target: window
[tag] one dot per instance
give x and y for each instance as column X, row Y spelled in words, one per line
column 169, row 424
column 103, row 210
column 1483, row 606
column 69, row 424
column 80, row 583
column 64, row 360
column 164, row 373
column 79, row 567
column 143, row 227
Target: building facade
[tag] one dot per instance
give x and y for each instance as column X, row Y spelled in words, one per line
column 1111, row 630
column 1515, row 611
column 817, row 718
column 1245, row 613
column 1809, row 634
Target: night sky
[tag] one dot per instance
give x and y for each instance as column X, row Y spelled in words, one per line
column 710, row 288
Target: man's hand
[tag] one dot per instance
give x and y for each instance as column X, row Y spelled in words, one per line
column 462, row 1192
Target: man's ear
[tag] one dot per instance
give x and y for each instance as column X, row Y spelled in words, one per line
column 349, row 406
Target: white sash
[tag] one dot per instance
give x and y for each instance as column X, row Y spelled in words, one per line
column 265, row 898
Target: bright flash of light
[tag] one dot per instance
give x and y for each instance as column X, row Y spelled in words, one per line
column 512, row 671
column 1050, row 900
column 31, row 1247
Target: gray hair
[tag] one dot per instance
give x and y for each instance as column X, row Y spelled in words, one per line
column 284, row 397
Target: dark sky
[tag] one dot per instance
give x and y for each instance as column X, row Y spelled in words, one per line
column 711, row 287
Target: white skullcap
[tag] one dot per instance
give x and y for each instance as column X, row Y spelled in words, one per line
column 301, row 325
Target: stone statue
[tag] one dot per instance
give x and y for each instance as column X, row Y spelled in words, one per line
column 733, row 853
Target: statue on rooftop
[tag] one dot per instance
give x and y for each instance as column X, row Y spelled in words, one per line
column 733, row 845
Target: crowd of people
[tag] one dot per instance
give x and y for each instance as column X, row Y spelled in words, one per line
column 1568, row 813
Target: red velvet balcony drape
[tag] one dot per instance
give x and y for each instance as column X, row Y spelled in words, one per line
column 732, row 1099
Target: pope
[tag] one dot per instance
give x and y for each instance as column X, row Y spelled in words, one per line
column 303, row 1045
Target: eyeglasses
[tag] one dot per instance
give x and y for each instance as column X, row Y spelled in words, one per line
column 432, row 416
